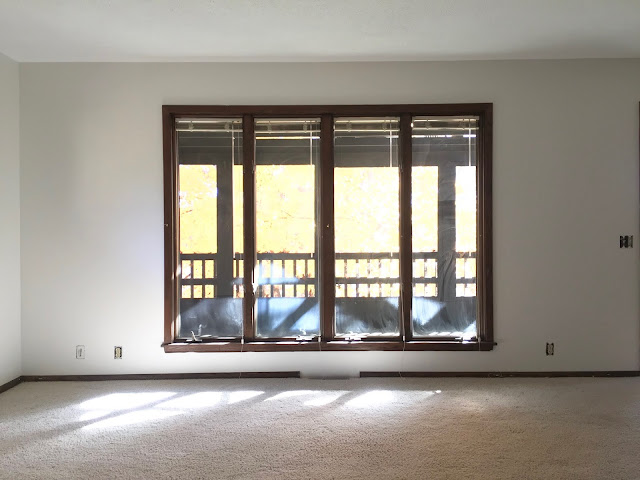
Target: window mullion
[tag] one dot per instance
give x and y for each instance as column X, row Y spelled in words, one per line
column 327, row 238
column 406, row 277
column 249, row 188
column 224, row 258
column 484, row 262
column 171, row 239
column 446, row 232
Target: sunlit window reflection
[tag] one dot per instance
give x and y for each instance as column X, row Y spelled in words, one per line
column 291, row 393
column 94, row 414
column 323, row 399
column 124, row 401
column 137, row 416
column 374, row 398
column 197, row 400
column 242, row 395
column 111, row 410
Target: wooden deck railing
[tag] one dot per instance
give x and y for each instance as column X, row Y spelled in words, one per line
column 294, row 275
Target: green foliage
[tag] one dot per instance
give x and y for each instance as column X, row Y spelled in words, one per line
column 366, row 209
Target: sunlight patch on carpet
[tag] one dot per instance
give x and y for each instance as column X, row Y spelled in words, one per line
column 132, row 418
column 374, row 398
column 195, row 400
column 242, row 395
column 291, row 393
column 325, row 398
column 124, row 401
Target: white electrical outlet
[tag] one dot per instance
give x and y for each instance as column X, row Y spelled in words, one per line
column 117, row 353
column 80, row 352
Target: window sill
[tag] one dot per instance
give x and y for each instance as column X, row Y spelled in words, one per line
column 337, row 345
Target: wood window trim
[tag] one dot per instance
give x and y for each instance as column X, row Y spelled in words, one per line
column 485, row 327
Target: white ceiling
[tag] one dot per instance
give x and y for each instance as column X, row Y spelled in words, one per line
column 317, row 30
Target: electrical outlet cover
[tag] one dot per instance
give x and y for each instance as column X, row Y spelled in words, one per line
column 550, row 348
column 80, row 352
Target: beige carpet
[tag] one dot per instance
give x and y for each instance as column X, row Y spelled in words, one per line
column 321, row 429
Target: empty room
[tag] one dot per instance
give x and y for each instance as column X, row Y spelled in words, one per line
column 290, row 239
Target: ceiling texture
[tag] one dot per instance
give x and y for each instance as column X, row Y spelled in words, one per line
column 316, row 30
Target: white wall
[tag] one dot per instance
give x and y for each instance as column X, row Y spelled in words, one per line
column 10, row 358
column 565, row 188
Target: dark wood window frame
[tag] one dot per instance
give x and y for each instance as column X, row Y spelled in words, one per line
column 327, row 341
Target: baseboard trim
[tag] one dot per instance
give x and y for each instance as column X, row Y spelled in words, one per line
column 614, row 373
column 9, row 385
column 296, row 374
column 157, row 376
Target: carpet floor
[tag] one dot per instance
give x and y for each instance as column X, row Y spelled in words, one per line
column 575, row 428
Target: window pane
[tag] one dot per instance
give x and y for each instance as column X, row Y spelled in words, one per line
column 366, row 190
column 466, row 208
column 444, row 223
column 211, row 228
column 286, row 297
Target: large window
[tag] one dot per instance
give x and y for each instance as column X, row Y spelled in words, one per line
column 328, row 228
